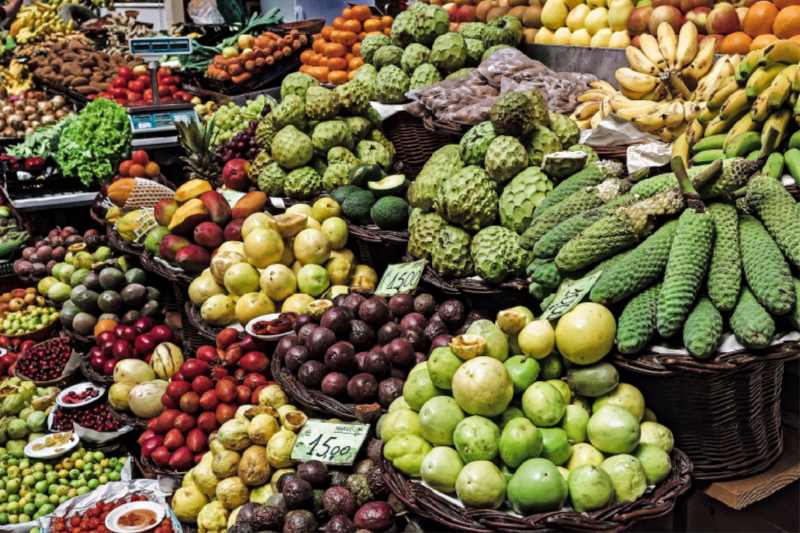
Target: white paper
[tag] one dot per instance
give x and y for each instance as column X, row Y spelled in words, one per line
column 727, row 344
column 387, row 110
column 89, row 435
column 616, row 131
column 651, row 154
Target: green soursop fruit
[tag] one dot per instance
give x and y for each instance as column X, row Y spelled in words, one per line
column 492, row 49
column 370, row 152
column 290, row 112
column 540, row 142
column 413, row 218
column 302, row 184
column 374, row 117
column 378, row 137
column 330, row 134
column 402, row 30
column 259, row 163
column 472, row 30
column 521, row 196
column 416, row 8
column 449, row 52
column 371, row 44
column 387, row 55
column 366, row 74
column 319, row 164
column 391, row 86
column 354, row 96
column 414, row 56
column 297, row 84
column 475, row 52
column 592, row 155
column 468, row 199
column 423, row 76
column 443, row 163
column 502, row 30
column 336, row 176
column 292, row 148
column 321, row 104
column 460, row 73
column 513, row 114
column 450, row 255
column 265, row 132
column 270, row 180
column 505, row 158
column 430, row 23
column 475, row 143
column 422, row 234
column 494, row 254
column 560, row 165
column 566, row 129
column 359, row 126
column 342, row 155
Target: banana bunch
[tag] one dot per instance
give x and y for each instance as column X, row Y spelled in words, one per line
column 36, row 21
column 16, row 78
column 763, row 93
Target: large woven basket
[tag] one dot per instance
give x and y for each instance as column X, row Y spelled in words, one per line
column 376, row 247
column 413, row 142
column 202, row 328
column 115, row 242
column 617, row 518
column 150, row 264
column 95, row 377
column 724, row 412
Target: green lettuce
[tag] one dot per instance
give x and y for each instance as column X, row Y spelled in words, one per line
column 42, row 143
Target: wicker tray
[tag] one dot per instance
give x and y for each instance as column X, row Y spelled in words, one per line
column 128, row 420
column 151, row 471
column 617, row 518
column 150, row 264
column 96, row 378
column 376, row 247
column 203, row 328
column 115, row 242
column 413, row 142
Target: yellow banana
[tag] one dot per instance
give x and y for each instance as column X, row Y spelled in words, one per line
column 720, row 95
column 703, row 59
column 635, row 81
column 669, row 135
column 667, row 43
column 796, row 81
column 596, row 120
column 650, row 48
column 694, row 132
column 743, row 125
column 653, row 121
column 707, row 115
column 586, row 110
column 620, row 102
column 631, row 113
column 594, row 95
column 784, row 51
column 603, row 86
column 681, row 149
column 761, row 79
column 781, row 87
column 710, row 82
column 640, row 62
column 605, row 107
column 735, row 106
column 687, row 45
column 584, row 124
column 779, row 120
column 691, row 110
column 633, row 95
column 674, row 115
column 716, row 126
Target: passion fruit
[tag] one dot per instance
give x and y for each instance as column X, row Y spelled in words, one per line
column 452, row 313
column 401, row 304
column 389, row 390
column 375, row 516
column 340, row 357
column 425, row 304
column 353, row 302
column 337, row 320
column 468, row 346
column 362, row 388
column 340, row 524
column 299, row 521
column 375, row 311
column 334, row 384
column 415, row 336
column 295, row 357
column 290, row 225
column 297, row 493
column 315, row 472
column 377, row 364
column 318, row 342
column 302, row 320
column 317, row 308
column 311, row 374
column 340, row 501
column 388, row 332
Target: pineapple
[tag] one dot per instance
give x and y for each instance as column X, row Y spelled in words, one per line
column 201, row 162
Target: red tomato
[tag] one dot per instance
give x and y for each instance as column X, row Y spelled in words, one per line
column 148, row 94
column 119, row 82
column 121, row 101
column 173, row 89
column 145, row 80
column 163, row 72
column 163, row 90
column 93, row 96
column 136, row 86
column 166, row 99
column 119, row 92
column 134, row 97
column 186, row 97
column 125, row 72
column 168, row 80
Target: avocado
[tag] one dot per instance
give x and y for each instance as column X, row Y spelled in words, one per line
column 357, row 207
column 340, row 194
column 136, row 275
column 390, row 213
column 87, row 301
column 363, row 174
column 592, row 380
column 389, row 186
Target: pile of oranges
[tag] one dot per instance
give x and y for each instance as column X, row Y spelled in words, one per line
column 336, row 52
column 764, row 23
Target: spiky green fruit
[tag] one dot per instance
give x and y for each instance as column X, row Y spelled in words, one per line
column 370, row 152
column 502, row 30
column 413, row 56
column 342, row 155
column 387, row 55
column 475, row 143
column 444, row 162
column 539, row 142
column 725, row 270
column 505, row 158
column 494, row 251
column 475, row 52
column 423, row 76
column 354, row 96
column 423, row 233
column 390, row 85
column 513, row 114
column 450, row 255
column 492, row 49
column 430, row 23
column 265, row 132
column 290, row 112
column 378, row 137
column 545, row 273
column 471, row 30
column 521, row 196
column 402, row 29
column 593, row 157
column 568, row 132
column 359, row 126
column 270, row 180
column 259, row 163
column 371, row 44
column 637, row 323
column 449, row 52
column 776, row 208
column 302, row 184
column 297, row 84
column 330, row 134
column 468, row 199
column 703, row 329
column 336, row 176
column 765, row 268
column 321, row 103
column 292, row 148
column 750, row 322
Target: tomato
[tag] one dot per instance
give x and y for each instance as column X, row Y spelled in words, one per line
column 164, row 72
column 163, row 90
column 119, row 82
column 173, row 89
column 167, row 99
column 134, row 97
column 145, row 81
column 136, row 86
column 125, row 72
column 94, row 522
column 169, row 80
column 93, row 96
column 75, row 521
column 148, row 94
column 118, row 92
column 121, row 101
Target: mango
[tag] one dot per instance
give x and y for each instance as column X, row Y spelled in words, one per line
column 191, row 189
column 252, row 202
column 219, row 210
column 164, row 211
column 134, row 226
column 188, row 216
column 153, row 241
column 119, row 191
column 170, row 246
column 193, row 258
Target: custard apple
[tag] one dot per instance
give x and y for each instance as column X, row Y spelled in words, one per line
column 259, row 163
column 521, row 196
column 475, row 52
column 450, row 255
column 560, row 165
column 502, row 30
column 310, row 126
column 370, row 152
column 514, row 114
column 423, row 76
column 505, row 158
column 413, row 218
column 443, row 163
column 321, row 104
column 391, row 85
column 366, row 73
column 302, row 184
column 265, row 132
column 475, row 143
column 378, row 137
column 592, row 156
column 270, row 180
column 492, row 49
column 566, row 129
column 414, row 56
column 496, row 254
column 330, row 134
column 449, row 52
column 402, row 29
column 336, row 176
column 292, row 148
column 460, row 73
column 539, row 142
column 387, row 55
column 422, row 234
column 359, row 126
column 374, row 118
column 342, row 155
column 297, row 84
column 430, row 23
column 319, row 163
column 468, row 199
column 472, row 30
column 371, row 44
column 290, row 112
column 354, row 97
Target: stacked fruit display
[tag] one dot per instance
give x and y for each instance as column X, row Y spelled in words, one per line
column 578, row 22
column 336, row 52
column 116, row 342
column 372, row 197
column 60, row 245
column 23, row 115
column 96, row 516
column 134, row 85
column 14, row 348
column 139, row 166
column 24, row 311
column 252, row 55
column 588, row 438
column 25, row 410
column 96, row 416
column 458, row 206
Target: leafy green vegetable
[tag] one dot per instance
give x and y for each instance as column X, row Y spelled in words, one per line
column 42, row 143
column 94, row 143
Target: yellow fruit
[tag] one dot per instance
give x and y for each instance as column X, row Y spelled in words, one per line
column 596, row 20
column 537, row 339
column 576, row 17
column 586, row 334
column 554, row 14
column 580, row 38
column 562, row 36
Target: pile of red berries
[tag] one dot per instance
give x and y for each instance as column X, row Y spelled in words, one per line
column 92, row 520
column 45, row 361
column 96, row 416
column 80, row 397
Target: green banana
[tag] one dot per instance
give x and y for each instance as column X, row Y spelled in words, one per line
column 714, row 142
column 743, row 144
column 792, row 158
column 774, row 166
column 708, row 156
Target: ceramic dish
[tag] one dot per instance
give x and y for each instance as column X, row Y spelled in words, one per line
column 273, row 316
column 52, row 451
column 77, row 389
column 154, row 512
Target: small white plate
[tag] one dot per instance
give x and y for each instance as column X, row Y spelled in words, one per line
column 80, row 387
column 273, row 316
column 113, row 517
column 53, row 451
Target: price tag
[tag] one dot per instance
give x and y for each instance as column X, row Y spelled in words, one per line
column 569, row 294
column 333, row 444
column 401, row 278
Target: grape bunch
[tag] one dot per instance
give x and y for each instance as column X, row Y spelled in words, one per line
column 230, row 119
column 242, row 145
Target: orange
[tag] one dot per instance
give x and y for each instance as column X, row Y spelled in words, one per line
column 151, row 170
column 354, row 63
column 387, row 32
column 762, row 41
column 759, row 18
column 337, row 63
column 125, row 167
column 346, row 38
column 104, row 325
column 318, row 44
column 323, row 61
column 326, row 32
column 373, row 25
column 388, row 21
column 314, row 60
column 137, row 171
column 356, row 48
column 736, row 43
column 352, row 25
column 337, row 23
column 780, row 4
column 319, row 73
column 337, row 77
column 795, row 38
column 787, row 23
column 361, row 12
column 347, row 13
column 305, row 56
column 351, row 75
column 362, row 36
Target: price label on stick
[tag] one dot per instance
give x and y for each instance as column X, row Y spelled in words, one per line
column 329, row 443
column 569, row 294
column 401, row 278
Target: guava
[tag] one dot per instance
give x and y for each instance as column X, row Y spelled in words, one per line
column 523, row 370
column 438, row 419
column 555, row 445
column 17, row 429
column 482, row 386
column 624, row 395
column 481, row 485
column 551, row 366
column 563, row 388
column 655, row 461
column 520, row 441
column 406, row 453
column 442, row 366
column 537, row 487
column 613, row 429
column 654, row 433
column 400, row 422
column 496, row 341
column 419, row 388
column 313, row 279
column 543, row 404
column 537, row 339
column 507, row 416
column 627, row 475
column 590, row 488
column 574, row 422
column 477, row 439
column 398, row 403
column 649, row 416
column 440, row 468
column 586, row 334
column 584, row 453
column 582, row 402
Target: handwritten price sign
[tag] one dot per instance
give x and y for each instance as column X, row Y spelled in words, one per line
column 569, row 294
column 333, row 444
column 400, row 279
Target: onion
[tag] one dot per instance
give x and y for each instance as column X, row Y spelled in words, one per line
column 15, row 121
column 26, row 123
column 19, row 104
column 58, row 102
column 40, row 106
column 60, row 113
column 47, row 120
column 35, row 124
column 9, row 132
column 118, row 395
column 144, row 399
column 2, row 124
column 8, row 110
column 30, row 131
column 134, row 371
column 29, row 109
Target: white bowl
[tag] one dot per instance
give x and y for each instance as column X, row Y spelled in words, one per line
column 53, row 451
column 112, row 520
column 273, row 316
column 80, row 387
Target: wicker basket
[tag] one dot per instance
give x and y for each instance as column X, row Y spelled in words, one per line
column 413, row 142
column 84, row 342
column 96, row 378
column 151, row 471
column 723, row 412
column 150, row 264
column 376, row 247
column 37, row 335
column 203, row 329
column 63, row 379
column 128, row 420
column 115, row 242
column 615, row 519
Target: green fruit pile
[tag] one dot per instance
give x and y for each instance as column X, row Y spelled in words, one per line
column 24, row 408
column 29, row 490
column 484, row 422
column 230, row 119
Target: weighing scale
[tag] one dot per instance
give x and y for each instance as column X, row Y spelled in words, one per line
column 153, row 124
